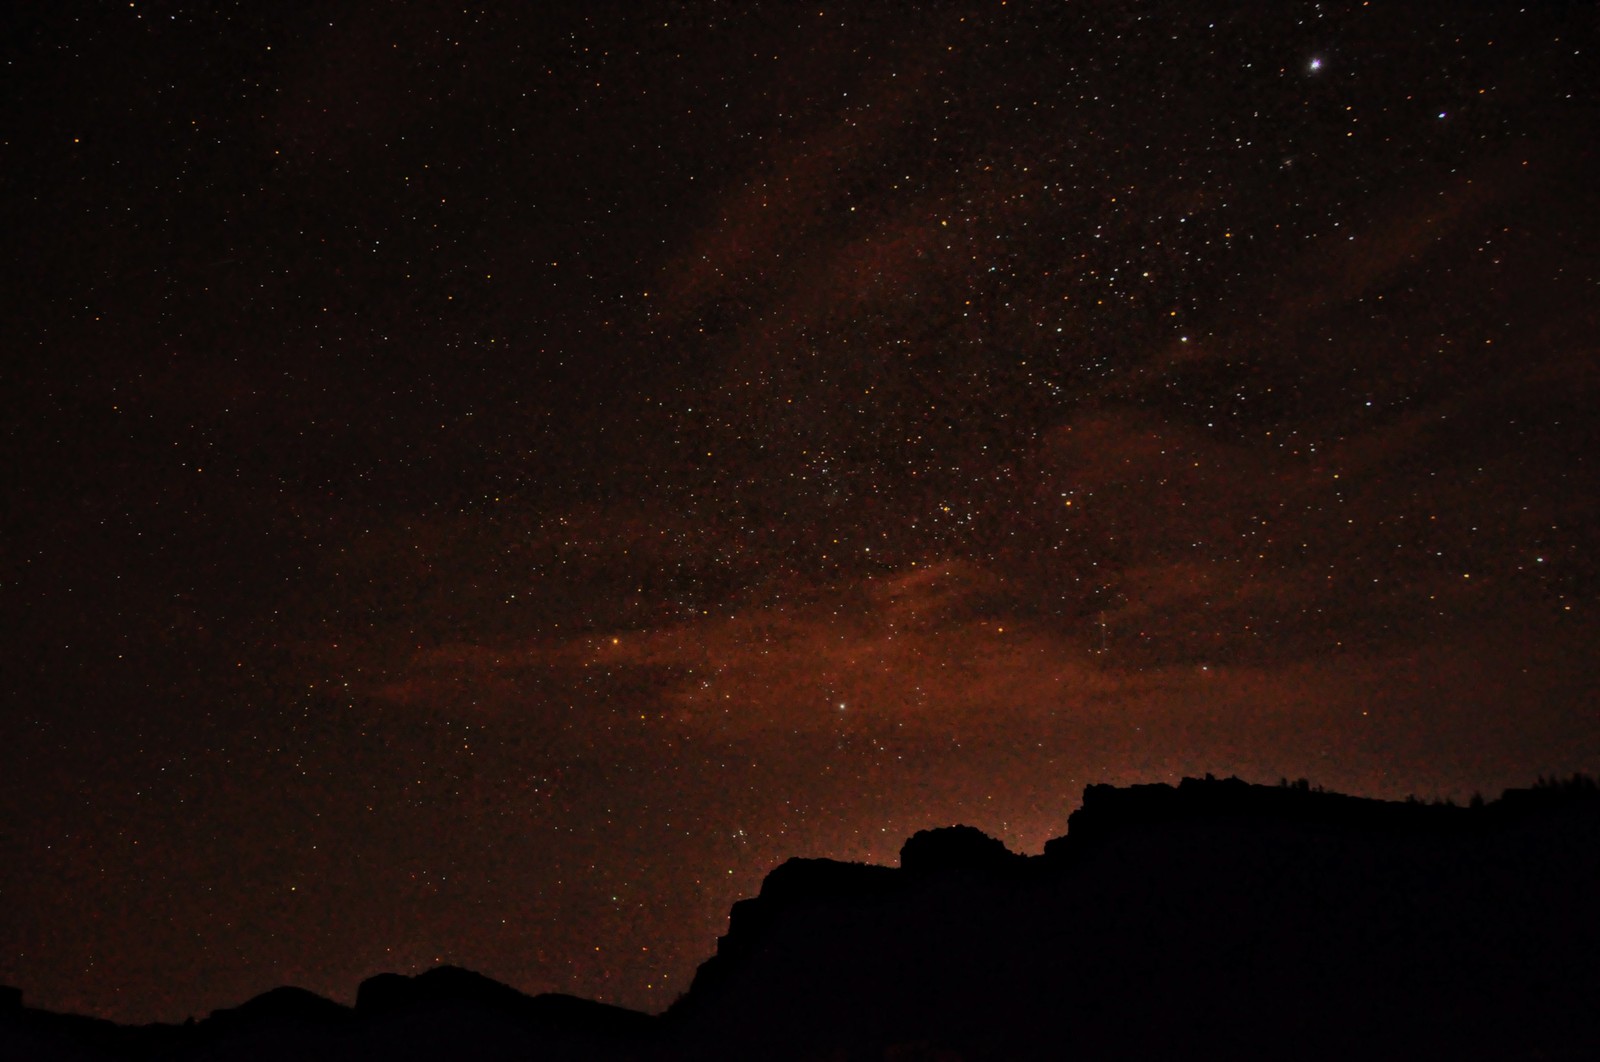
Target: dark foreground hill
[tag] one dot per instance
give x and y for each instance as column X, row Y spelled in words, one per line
column 1211, row 920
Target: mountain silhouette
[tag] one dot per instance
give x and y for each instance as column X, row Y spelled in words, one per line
column 1212, row 919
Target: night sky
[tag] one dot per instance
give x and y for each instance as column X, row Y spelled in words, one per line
column 484, row 486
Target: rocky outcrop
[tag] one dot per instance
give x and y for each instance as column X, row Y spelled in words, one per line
column 1209, row 919
column 956, row 848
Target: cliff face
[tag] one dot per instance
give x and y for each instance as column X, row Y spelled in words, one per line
column 1213, row 919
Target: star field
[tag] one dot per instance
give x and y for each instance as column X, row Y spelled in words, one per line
column 485, row 485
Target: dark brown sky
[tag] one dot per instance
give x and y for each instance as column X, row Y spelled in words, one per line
column 485, row 486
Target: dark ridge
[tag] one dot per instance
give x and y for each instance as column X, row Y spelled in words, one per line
column 447, row 987
column 950, row 848
column 283, row 1004
column 821, row 887
column 445, row 1013
column 1212, row 919
column 390, row 993
column 1108, row 811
